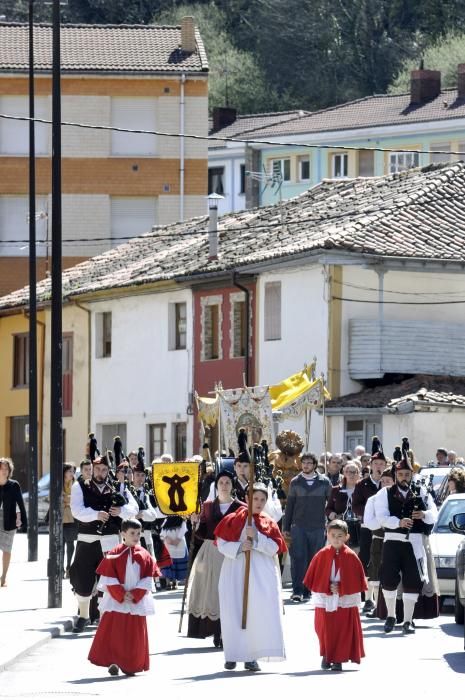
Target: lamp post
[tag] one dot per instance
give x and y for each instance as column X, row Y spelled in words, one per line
column 213, row 201
column 32, row 533
column 55, row 562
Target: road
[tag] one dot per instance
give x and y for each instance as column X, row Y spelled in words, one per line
column 428, row 663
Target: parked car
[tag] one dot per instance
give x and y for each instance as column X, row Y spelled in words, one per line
column 458, row 526
column 444, row 543
column 43, row 501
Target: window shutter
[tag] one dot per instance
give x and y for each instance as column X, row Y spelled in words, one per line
column 133, row 113
column 131, row 216
column 273, row 311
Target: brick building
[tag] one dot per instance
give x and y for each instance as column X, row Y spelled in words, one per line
column 115, row 184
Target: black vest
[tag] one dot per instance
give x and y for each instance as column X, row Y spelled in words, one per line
column 402, row 507
column 97, row 500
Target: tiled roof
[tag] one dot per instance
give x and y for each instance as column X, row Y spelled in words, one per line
column 420, row 390
column 101, row 48
column 249, row 122
column 416, row 215
column 377, row 110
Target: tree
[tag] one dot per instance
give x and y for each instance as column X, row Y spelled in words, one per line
column 444, row 55
column 235, row 77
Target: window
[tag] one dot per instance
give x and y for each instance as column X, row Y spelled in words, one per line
column 281, row 169
column 366, row 163
column 304, row 168
column 109, row 431
column 67, row 370
column 131, row 216
column 399, row 162
column 157, row 440
column 239, row 328
column 180, row 441
column 14, row 225
column 359, row 431
column 440, row 157
column 103, row 334
column 21, row 360
column 211, row 332
column 273, row 311
column 216, row 180
column 14, row 135
column 340, row 165
column 133, row 113
column 177, row 326
column 242, row 178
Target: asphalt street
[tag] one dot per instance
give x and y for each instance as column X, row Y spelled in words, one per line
column 430, row 662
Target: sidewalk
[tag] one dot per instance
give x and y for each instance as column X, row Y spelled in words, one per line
column 25, row 620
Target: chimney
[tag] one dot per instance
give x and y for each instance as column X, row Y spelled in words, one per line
column 461, row 81
column 213, row 201
column 425, row 85
column 223, row 116
column 188, row 35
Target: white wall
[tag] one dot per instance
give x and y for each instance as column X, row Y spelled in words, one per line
column 233, row 200
column 304, row 325
column 426, row 432
column 362, row 284
column 143, row 382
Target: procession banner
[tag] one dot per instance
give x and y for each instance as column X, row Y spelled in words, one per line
column 176, row 487
column 248, row 408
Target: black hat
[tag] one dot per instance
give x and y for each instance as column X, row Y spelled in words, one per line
column 242, row 457
column 118, row 450
column 405, row 462
column 377, row 449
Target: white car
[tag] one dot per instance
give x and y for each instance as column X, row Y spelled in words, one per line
column 444, row 543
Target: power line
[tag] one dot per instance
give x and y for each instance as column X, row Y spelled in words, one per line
column 231, row 139
column 401, row 303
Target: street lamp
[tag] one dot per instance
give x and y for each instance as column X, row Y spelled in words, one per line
column 213, row 201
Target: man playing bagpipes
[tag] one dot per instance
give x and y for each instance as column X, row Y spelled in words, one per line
column 99, row 509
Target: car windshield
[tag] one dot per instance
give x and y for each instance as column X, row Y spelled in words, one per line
column 448, row 510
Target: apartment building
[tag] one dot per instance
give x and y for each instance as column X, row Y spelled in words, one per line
column 115, row 184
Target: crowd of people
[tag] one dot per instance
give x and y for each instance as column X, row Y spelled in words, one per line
column 354, row 525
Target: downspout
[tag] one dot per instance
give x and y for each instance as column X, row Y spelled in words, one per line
column 42, row 398
column 181, row 149
column 247, row 326
column 89, row 370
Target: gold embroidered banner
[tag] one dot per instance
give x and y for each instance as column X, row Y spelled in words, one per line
column 176, row 487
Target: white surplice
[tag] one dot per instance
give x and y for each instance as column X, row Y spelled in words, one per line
column 263, row 637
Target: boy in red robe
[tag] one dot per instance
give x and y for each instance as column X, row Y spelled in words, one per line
column 336, row 579
column 126, row 577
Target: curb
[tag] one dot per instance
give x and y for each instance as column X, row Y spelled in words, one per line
column 49, row 632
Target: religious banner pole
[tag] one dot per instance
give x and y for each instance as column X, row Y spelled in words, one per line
column 245, row 599
column 191, row 558
column 324, row 419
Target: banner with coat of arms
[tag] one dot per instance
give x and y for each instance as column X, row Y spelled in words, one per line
column 176, row 487
column 248, row 408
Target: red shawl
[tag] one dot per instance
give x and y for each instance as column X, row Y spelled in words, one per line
column 114, row 566
column 231, row 526
column 318, row 574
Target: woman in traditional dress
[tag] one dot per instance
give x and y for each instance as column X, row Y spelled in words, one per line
column 263, row 636
column 12, row 513
column 202, row 598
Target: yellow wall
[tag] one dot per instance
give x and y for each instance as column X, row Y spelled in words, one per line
column 75, row 321
column 15, row 402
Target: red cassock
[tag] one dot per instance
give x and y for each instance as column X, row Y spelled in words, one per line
column 339, row 632
column 121, row 637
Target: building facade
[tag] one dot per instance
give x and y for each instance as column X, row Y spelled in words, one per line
column 115, row 184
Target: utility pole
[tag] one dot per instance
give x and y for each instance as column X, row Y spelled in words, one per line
column 32, row 533
column 55, row 562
